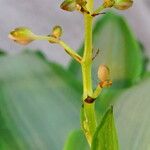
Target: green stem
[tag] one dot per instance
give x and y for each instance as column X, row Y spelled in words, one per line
column 97, row 92
column 87, row 57
column 47, row 38
column 70, row 51
column 98, row 10
column 89, row 119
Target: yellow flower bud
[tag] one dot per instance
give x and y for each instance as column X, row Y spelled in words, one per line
column 105, row 84
column 103, row 73
column 81, row 2
column 22, row 35
column 123, row 4
column 68, row 5
column 109, row 3
column 57, row 32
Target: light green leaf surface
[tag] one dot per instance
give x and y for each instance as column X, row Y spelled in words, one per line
column 132, row 113
column 2, row 52
column 119, row 50
column 39, row 103
column 105, row 137
column 76, row 141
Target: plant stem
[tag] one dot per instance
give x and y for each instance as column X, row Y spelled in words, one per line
column 87, row 57
column 89, row 119
column 47, row 38
column 70, row 51
column 98, row 10
column 97, row 92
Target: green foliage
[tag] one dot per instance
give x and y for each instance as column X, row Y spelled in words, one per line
column 2, row 52
column 39, row 103
column 132, row 117
column 105, row 137
column 76, row 141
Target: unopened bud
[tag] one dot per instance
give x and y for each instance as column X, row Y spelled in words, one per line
column 68, row 5
column 109, row 3
column 105, row 84
column 22, row 35
column 57, row 32
column 103, row 73
column 82, row 3
column 123, row 4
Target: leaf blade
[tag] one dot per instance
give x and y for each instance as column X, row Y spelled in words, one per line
column 31, row 93
column 76, row 141
column 132, row 117
column 105, row 137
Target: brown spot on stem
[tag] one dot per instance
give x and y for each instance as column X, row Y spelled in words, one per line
column 89, row 100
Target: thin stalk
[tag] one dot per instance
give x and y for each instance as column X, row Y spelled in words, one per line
column 98, row 10
column 47, row 38
column 70, row 51
column 89, row 121
column 97, row 91
column 87, row 56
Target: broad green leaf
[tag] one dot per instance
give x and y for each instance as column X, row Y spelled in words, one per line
column 39, row 103
column 76, row 141
column 107, row 98
column 2, row 52
column 132, row 113
column 105, row 137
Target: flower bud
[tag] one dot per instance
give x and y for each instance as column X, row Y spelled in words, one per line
column 105, row 84
column 82, row 3
column 68, row 5
column 57, row 32
column 109, row 3
column 123, row 4
column 103, row 73
column 22, row 35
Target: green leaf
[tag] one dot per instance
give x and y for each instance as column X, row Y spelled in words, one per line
column 39, row 103
column 106, row 98
column 132, row 113
column 76, row 141
column 2, row 53
column 105, row 137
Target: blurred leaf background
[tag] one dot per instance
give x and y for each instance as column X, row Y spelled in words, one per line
column 40, row 100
